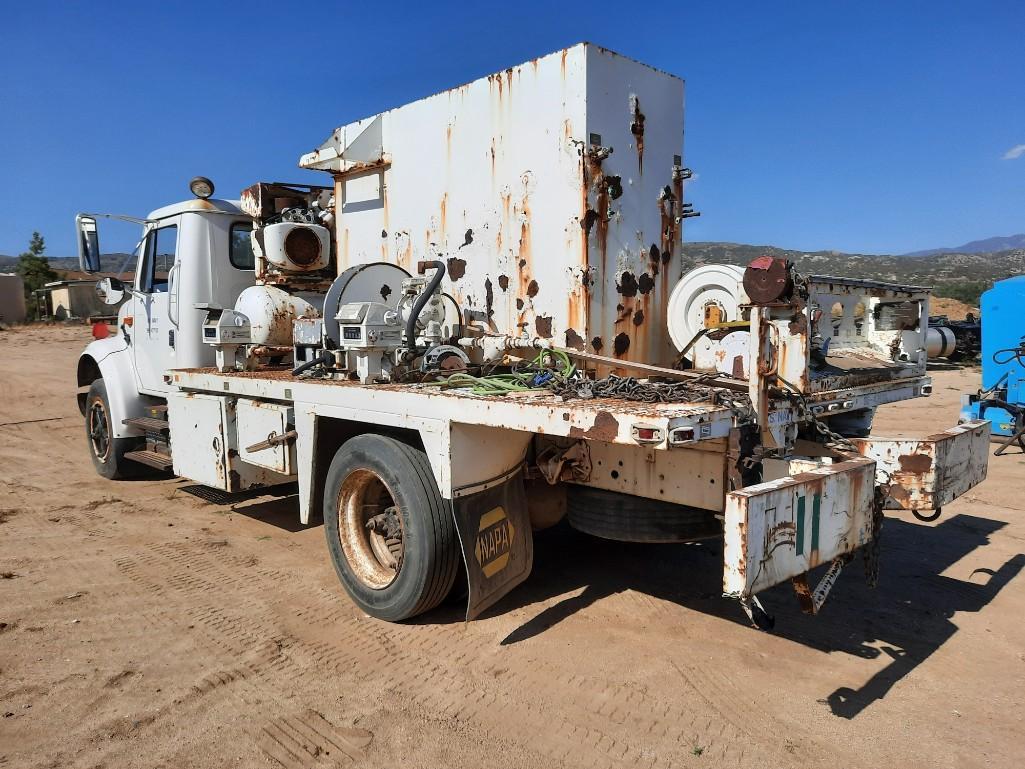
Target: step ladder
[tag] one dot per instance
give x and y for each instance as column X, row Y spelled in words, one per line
column 157, row 453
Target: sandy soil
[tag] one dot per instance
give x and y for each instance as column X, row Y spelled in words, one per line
column 952, row 308
column 142, row 626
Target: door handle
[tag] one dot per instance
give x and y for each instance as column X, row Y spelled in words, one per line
column 170, row 337
column 172, row 295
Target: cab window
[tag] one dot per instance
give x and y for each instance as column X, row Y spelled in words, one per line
column 161, row 247
column 241, row 251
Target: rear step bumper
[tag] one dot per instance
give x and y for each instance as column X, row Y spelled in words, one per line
column 779, row 530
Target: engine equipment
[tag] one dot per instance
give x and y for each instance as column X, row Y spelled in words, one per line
column 227, row 331
column 297, row 245
column 369, row 336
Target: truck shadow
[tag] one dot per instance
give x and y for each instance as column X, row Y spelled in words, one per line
column 906, row 618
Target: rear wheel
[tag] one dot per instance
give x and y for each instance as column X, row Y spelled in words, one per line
column 107, row 452
column 390, row 533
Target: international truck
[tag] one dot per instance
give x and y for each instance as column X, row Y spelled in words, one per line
column 481, row 323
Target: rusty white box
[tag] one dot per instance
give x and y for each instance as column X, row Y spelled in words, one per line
column 501, row 179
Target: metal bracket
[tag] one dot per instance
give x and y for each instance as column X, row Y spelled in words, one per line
column 811, row 600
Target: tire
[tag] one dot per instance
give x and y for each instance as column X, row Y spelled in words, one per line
column 626, row 518
column 407, row 564
column 107, row 453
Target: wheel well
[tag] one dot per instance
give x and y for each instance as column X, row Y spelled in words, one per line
column 88, row 372
column 331, row 434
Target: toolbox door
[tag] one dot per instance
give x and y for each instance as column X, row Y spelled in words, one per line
column 780, row 529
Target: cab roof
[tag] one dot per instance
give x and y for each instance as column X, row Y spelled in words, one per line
column 211, row 205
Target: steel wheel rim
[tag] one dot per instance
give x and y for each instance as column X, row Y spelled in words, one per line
column 374, row 558
column 99, row 435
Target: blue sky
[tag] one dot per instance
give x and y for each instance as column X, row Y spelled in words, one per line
column 876, row 127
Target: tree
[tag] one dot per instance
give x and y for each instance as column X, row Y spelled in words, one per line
column 34, row 268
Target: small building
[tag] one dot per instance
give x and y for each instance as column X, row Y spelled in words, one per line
column 71, row 300
column 12, row 298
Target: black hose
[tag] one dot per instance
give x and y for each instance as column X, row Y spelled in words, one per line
column 422, row 300
column 322, row 360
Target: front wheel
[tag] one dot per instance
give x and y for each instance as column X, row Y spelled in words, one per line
column 106, row 451
column 390, row 534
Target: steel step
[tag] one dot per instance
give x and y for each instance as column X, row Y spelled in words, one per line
column 149, row 424
column 151, row 458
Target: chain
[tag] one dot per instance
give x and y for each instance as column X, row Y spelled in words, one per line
column 632, row 389
column 870, row 552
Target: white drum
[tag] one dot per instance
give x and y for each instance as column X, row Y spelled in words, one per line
column 719, row 285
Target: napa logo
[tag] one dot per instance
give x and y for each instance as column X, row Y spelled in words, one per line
column 494, row 541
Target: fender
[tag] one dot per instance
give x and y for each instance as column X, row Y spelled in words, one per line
column 111, row 360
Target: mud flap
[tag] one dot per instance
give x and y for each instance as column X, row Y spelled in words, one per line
column 496, row 538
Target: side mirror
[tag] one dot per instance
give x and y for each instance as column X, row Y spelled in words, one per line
column 110, row 290
column 88, row 243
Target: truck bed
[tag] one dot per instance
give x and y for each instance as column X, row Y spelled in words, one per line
column 612, row 420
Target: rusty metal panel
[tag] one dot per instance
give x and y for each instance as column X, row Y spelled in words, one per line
column 929, row 473
column 256, row 423
column 873, row 332
column 686, row 476
column 541, row 236
column 779, row 529
column 199, row 446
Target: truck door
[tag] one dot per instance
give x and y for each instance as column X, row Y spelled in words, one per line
column 154, row 337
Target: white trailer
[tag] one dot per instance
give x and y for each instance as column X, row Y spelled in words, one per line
column 548, row 358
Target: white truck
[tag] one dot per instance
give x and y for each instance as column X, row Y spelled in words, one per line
column 481, row 325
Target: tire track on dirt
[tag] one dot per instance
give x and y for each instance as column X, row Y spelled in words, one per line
column 446, row 670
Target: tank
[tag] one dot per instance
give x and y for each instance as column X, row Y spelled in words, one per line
column 272, row 310
column 553, row 190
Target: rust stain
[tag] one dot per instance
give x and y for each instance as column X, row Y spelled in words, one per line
column 627, row 284
column 637, row 129
column 532, row 288
column 605, row 428
column 597, row 344
column 543, row 326
column 503, row 282
column 574, row 340
column 456, row 268
column 621, row 344
column 645, row 283
column 444, row 207
column 917, row 464
column 667, row 215
column 638, row 317
column 489, row 297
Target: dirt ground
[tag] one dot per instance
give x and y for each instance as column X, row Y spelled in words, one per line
column 142, row 626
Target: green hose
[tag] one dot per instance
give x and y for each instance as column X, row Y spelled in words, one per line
column 515, row 381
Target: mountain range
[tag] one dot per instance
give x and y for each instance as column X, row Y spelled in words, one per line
column 988, row 245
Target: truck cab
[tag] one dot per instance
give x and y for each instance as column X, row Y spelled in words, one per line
column 191, row 256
